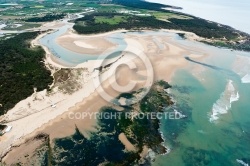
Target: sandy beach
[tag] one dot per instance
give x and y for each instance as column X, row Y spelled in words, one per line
column 36, row 114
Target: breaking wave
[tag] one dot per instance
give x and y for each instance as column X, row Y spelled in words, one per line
column 242, row 162
column 223, row 104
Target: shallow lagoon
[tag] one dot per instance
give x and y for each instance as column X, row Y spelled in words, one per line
column 70, row 58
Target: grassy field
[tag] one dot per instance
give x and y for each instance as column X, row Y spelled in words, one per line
column 112, row 21
column 109, row 7
column 166, row 16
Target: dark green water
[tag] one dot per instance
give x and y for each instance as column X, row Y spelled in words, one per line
column 196, row 140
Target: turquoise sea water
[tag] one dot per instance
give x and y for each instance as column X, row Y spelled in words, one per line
column 197, row 140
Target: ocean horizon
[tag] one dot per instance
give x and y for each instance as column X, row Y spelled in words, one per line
column 232, row 13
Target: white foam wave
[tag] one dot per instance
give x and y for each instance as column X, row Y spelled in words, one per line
column 223, row 104
column 168, row 149
column 242, row 162
column 234, row 97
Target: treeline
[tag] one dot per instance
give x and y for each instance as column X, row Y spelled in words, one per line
column 46, row 18
column 132, row 22
column 201, row 27
column 204, row 28
column 21, row 70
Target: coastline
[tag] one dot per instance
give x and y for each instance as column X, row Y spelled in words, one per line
column 198, row 69
column 50, row 116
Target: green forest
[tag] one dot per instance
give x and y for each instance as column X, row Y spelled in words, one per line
column 21, row 70
column 46, row 18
